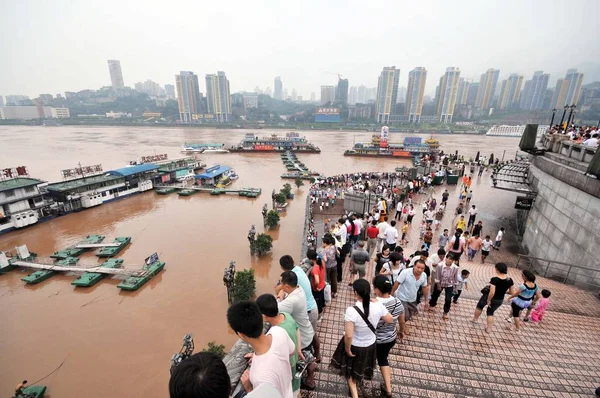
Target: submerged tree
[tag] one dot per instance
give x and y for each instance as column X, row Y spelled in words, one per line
column 298, row 182
column 263, row 244
column 272, row 219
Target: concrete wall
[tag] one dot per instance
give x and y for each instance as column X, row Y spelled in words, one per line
column 564, row 223
column 359, row 202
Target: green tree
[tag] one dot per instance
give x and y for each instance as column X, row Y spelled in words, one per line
column 245, row 285
column 272, row 219
column 298, row 182
column 280, row 198
column 215, row 348
column 262, row 245
column 287, row 189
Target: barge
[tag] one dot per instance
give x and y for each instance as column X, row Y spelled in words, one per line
column 91, row 278
column 79, row 249
column 380, row 146
column 292, row 141
column 152, row 266
column 110, row 251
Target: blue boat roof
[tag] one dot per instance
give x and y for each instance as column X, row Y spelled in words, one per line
column 203, row 145
column 131, row 170
column 213, row 171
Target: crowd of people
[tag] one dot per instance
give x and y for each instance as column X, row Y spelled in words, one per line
column 588, row 136
column 390, row 288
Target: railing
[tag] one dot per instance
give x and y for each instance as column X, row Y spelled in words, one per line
column 561, row 144
column 588, row 278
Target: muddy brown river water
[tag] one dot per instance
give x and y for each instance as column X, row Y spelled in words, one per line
column 118, row 344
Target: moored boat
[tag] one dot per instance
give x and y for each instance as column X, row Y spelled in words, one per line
column 33, row 392
column 110, row 251
column 38, row 276
column 201, row 148
column 292, row 141
column 165, row 191
column 186, row 192
column 152, row 266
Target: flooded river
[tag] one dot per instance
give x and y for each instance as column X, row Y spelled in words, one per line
column 113, row 343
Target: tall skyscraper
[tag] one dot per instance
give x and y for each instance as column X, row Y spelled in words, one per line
column 188, row 96
column 472, row 93
column 313, row 96
column 353, row 95
column 362, row 94
column 327, row 94
column 534, row 91
column 568, row 90
column 116, row 74
column 170, row 91
column 510, row 91
column 278, row 92
column 463, row 91
column 415, row 93
column 487, row 88
column 341, row 94
column 218, row 98
column 447, row 93
column 387, row 92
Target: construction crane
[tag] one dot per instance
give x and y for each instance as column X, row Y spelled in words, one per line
column 339, row 75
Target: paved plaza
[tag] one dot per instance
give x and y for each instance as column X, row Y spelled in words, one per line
column 560, row 357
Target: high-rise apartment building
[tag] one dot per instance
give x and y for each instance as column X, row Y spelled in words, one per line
column 218, row 99
column 188, row 96
column 170, row 91
column 568, row 90
column 278, row 92
column 415, row 93
column 447, row 93
column 472, row 93
column 327, row 94
column 341, row 93
column 463, row 91
column 313, row 96
column 362, row 95
column 116, row 74
column 487, row 89
column 401, row 97
column 534, row 91
column 17, row 99
column 353, row 95
column 387, row 93
column 510, row 92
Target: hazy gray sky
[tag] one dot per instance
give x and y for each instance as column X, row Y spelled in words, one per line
column 57, row 46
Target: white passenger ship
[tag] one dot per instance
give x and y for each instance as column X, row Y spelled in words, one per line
column 513, row 131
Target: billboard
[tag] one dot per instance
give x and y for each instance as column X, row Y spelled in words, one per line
column 327, row 111
column 154, row 158
column 13, row 172
column 82, row 171
column 327, row 115
column 401, row 153
column 412, row 140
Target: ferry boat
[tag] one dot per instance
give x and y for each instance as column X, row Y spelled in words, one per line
column 513, row 131
column 380, row 146
column 292, row 141
column 203, row 148
column 22, row 201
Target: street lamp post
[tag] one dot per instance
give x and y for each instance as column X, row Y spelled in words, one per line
column 562, row 119
column 572, row 107
column 553, row 113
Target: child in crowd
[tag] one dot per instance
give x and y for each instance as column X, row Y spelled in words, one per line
column 486, row 246
column 422, row 230
column 540, row 309
column 403, row 241
column 463, row 284
column 499, row 237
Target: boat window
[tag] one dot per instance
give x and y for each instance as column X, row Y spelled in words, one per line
column 29, row 189
column 9, row 193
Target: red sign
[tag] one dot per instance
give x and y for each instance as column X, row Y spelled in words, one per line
column 165, row 178
column 82, row 171
column 13, row 172
column 401, row 153
column 154, row 158
column 263, row 147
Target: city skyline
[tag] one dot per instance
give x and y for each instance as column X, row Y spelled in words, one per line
column 147, row 53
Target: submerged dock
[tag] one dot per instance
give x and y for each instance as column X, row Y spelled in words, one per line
column 247, row 192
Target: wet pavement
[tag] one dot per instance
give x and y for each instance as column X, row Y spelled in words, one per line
column 455, row 358
column 115, row 343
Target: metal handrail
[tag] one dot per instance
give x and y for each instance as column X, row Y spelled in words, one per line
column 575, row 268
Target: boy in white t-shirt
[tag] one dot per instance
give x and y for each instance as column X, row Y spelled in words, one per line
column 486, row 246
column 463, row 284
column 271, row 358
column 499, row 237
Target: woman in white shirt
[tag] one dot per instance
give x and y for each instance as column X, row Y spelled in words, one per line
column 393, row 267
column 355, row 358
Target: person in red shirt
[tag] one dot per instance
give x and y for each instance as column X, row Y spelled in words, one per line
column 372, row 233
column 317, row 278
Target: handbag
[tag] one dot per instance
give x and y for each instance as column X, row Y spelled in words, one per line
column 486, row 290
column 340, row 350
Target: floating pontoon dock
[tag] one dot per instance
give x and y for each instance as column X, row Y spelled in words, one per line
column 248, row 192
